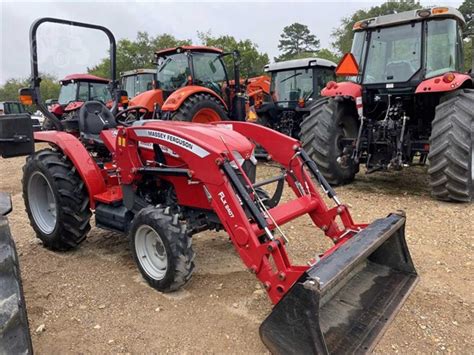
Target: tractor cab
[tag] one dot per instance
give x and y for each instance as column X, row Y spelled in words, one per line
column 78, row 88
column 296, row 83
column 191, row 65
column 399, row 52
column 192, row 84
column 137, row 81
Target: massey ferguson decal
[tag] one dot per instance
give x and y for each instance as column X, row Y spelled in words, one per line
column 181, row 142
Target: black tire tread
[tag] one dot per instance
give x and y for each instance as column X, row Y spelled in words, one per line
column 14, row 330
column 180, row 243
column 184, row 113
column 73, row 199
column 451, row 145
column 315, row 136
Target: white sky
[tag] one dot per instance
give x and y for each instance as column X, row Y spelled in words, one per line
column 64, row 50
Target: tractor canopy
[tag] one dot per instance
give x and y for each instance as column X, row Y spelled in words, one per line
column 190, row 65
column 409, row 47
column 299, row 80
column 84, row 87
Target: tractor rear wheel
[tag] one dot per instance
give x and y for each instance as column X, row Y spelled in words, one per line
column 56, row 200
column 201, row 108
column 329, row 121
column 14, row 330
column 162, row 248
column 451, row 148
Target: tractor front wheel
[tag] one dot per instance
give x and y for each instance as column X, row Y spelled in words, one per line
column 56, row 200
column 201, row 108
column 162, row 248
column 322, row 131
column 451, row 148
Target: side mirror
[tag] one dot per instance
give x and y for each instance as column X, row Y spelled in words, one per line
column 26, row 96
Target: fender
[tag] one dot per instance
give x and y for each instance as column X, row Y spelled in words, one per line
column 148, row 99
column 443, row 83
column 73, row 106
column 345, row 88
column 83, row 162
column 174, row 101
column 57, row 109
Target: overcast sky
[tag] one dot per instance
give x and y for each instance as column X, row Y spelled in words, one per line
column 70, row 50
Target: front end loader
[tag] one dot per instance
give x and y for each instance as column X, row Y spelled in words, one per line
column 161, row 182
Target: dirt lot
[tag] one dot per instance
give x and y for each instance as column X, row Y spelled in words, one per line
column 93, row 300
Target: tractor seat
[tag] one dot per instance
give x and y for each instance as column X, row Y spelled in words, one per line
column 94, row 117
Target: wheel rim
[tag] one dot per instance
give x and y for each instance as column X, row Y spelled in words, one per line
column 151, row 252
column 343, row 132
column 42, row 203
column 206, row 115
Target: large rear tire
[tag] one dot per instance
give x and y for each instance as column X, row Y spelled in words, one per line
column 56, row 200
column 162, row 248
column 14, row 330
column 321, row 131
column 201, row 108
column 451, row 148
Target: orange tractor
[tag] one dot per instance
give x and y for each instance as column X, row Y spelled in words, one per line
column 192, row 84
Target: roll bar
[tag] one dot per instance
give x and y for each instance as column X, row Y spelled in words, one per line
column 35, row 79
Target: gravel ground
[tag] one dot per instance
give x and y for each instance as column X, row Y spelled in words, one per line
column 93, row 300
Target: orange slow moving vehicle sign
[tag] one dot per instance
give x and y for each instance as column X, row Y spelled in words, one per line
column 347, row 66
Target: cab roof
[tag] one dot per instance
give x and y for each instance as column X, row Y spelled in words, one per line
column 138, row 71
column 409, row 16
column 174, row 50
column 84, row 77
column 300, row 63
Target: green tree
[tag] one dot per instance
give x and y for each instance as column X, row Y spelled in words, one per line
column 467, row 9
column 138, row 53
column 252, row 61
column 342, row 36
column 49, row 88
column 295, row 41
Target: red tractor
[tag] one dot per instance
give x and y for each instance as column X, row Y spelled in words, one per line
column 411, row 102
column 192, row 84
column 75, row 90
column 161, row 182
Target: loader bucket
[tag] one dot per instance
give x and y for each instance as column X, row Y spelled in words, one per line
column 343, row 303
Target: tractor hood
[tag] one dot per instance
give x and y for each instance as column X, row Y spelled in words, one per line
column 200, row 139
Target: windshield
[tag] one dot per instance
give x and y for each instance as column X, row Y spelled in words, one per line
column 291, row 85
column 442, row 48
column 138, row 83
column 394, row 54
column 209, row 71
column 67, row 93
column 87, row 92
column 173, row 72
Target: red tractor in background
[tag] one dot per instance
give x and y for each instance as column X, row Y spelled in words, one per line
column 192, row 84
column 161, row 182
column 75, row 90
column 411, row 101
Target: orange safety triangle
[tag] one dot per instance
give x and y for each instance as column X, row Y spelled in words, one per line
column 348, row 66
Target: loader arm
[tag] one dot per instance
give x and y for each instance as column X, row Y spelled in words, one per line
column 316, row 305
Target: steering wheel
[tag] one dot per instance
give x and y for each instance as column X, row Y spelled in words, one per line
column 130, row 115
